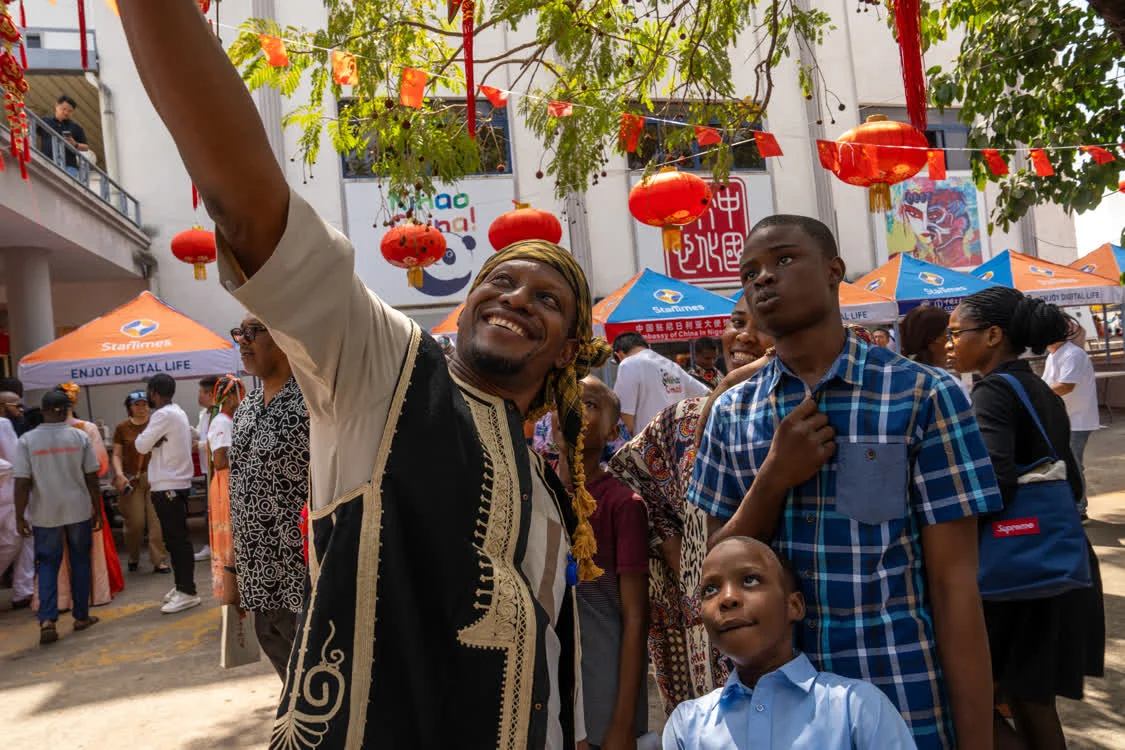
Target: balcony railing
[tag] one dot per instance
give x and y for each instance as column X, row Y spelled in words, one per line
column 74, row 163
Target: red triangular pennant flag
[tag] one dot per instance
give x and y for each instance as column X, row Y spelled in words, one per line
column 1099, row 154
column 498, row 97
column 994, row 161
column 413, row 87
column 707, row 136
column 629, row 134
column 1041, row 163
column 560, row 109
column 829, row 153
column 344, row 71
column 274, row 50
column 767, row 144
column 935, row 161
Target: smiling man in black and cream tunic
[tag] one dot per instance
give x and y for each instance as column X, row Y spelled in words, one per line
column 439, row 612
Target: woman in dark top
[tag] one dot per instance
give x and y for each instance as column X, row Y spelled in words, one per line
column 1041, row 648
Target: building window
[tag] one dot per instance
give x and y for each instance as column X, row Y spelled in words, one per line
column 652, row 145
column 33, row 41
column 493, row 139
column 942, row 131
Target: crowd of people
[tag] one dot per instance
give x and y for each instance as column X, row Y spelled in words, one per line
column 794, row 544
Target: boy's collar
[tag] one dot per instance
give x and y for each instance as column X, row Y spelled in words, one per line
column 848, row 365
column 799, row 671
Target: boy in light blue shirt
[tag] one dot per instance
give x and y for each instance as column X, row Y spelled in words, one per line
column 775, row 699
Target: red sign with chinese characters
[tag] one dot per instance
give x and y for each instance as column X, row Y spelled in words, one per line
column 670, row 330
column 713, row 244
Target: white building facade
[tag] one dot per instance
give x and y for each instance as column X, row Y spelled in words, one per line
column 859, row 61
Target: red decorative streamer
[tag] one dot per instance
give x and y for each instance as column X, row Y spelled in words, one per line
column 1041, row 163
column 194, row 197
column 23, row 28
column 767, row 144
column 994, row 161
column 82, row 33
column 935, row 161
column 1099, row 154
column 498, row 97
column 467, row 20
column 707, row 136
column 629, row 135
column 908, row 23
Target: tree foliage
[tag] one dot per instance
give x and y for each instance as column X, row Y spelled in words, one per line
column 605, row 56
column 1035, row 74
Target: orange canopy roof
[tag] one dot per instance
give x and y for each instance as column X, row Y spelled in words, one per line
column 1108, row 261
column 143, row 337
column 448, row 327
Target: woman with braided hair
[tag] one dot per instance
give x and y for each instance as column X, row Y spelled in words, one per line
column 1041, row 648
column 228, row 393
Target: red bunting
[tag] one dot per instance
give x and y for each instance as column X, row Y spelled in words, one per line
column 413, row 87
column 935, row 161
column 629, row 134
column 560, row 109
column 274, row 50
column 344, row 71
column 829, row 153
column 767, row 144
column 1099, row 154
column 994, row 161
column 707, row 136
column 1040, row 162
column 498, row 97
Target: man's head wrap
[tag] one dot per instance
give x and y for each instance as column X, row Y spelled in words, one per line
column 560, row 392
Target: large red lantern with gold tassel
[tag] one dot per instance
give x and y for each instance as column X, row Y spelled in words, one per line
column 195, row 246
column 413, row 246
column 524, row 223
column 670, row 199
column 878, row 154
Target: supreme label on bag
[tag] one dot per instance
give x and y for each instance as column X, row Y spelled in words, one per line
column 1015, row 527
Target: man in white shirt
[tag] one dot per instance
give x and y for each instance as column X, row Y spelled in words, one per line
column 168, row 438
column 1070, row 373
column 15, row 550
column 648, row 383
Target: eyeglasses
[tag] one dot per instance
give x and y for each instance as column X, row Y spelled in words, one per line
column 952, row 334
column 247, row 333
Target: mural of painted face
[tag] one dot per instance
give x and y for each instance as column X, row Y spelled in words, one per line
column 939, row 220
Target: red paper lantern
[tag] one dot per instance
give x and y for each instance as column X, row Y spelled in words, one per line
column 1121, row 186
column 413, row 246
column 878, row 154
column 204, row 5
column 195, row 246
column 670, row 199
column 524, row 223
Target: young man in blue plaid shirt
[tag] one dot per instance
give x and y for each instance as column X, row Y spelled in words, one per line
column 867, row 471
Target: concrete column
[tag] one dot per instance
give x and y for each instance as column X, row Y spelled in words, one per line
column 31, row 319
column 269, row 99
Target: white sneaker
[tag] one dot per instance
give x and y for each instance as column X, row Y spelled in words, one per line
column 203, row 554
column 179, row 602
column 168, row 596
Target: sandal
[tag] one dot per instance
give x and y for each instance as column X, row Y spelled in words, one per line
column 163, row 569
column 89, row 622
column 47, row 633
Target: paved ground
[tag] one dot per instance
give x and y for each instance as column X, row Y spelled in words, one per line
column 141, row 679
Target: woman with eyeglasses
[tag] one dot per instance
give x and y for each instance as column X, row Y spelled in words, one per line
column 1041, row 648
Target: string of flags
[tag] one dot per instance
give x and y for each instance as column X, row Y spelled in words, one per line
column 414, row 81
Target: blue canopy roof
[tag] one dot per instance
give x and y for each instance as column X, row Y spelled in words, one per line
column 650, row 297
column 913, row 283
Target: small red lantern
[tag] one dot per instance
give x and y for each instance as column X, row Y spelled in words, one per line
column 670, row 199
column 204, row 5
column 878, row 154
column 1121, row 185
column 195, row 246
column 413, row 246
column 524, row 223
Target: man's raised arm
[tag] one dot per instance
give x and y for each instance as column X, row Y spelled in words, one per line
column 205, row 105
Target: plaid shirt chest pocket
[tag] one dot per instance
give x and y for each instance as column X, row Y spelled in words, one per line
column 872, row 478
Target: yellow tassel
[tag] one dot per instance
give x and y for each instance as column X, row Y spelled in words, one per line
column 879, row 197
column 414, row 276
column 200, row 272
column 673, row 238
column 584, row 544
